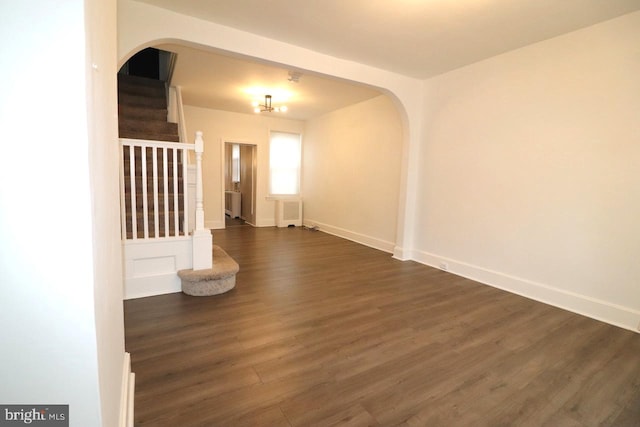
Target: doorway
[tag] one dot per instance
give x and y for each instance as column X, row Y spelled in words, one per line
column 241, row 162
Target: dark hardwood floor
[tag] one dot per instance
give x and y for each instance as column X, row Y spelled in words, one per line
column 323, row 331
column 234, row 222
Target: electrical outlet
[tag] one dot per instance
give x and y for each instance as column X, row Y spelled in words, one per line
column 443, row 266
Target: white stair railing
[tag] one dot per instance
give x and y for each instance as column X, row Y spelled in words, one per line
column 154, row 199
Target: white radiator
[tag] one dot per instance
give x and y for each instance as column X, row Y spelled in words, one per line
column 289, row 212
column 232, row 203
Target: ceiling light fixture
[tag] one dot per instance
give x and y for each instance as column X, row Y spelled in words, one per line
column 294, row 76
column 267, row 107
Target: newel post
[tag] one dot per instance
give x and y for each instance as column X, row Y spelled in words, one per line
column 199, row 204
column 202, row 240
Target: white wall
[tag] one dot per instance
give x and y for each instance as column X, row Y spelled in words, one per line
column 219, row 126
column 530, row 172
column 102, row 107
column 59, row 344
column 351, row 172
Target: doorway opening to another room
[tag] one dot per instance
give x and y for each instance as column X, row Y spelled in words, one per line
column 240, row 183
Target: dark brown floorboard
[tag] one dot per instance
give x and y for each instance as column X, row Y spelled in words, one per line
column 323, row 331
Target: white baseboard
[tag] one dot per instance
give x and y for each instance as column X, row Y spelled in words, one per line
column 363, row 239
column 401, row 254
column 604, row 311
column 265, row 222
column 127, row 393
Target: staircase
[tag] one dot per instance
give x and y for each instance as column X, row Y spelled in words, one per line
column 142, row 110
column 142, row 115
column 161, row 256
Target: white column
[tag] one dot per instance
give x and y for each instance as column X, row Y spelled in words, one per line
column 199, row 194
column 202, row 240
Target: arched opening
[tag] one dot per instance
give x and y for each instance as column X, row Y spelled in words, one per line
column 353, row 139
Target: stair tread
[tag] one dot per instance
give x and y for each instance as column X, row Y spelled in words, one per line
column 129, row 111
column 151, row 126
column 142, row 101
column 138, row 80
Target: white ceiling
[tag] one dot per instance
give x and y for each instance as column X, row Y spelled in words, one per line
column 417, row 38
column 227, row 83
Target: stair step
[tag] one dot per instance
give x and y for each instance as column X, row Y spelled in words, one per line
column 129, row 80
column 151, row 126
column 131, row 88
column 142, row 113
column 220, row 278
column 150, row 92
column 142, row 101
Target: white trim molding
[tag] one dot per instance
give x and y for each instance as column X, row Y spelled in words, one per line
column 265, row 222
column 604, row 311
column 401, row 254
column 127, row 393
column 372, row 242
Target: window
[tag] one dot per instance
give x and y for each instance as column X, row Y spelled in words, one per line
column 284, row 163
column 235, row 163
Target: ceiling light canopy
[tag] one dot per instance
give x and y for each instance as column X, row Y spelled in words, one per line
column 267, row 107
column 294, row 76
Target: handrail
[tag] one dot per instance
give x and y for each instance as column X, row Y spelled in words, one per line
column 182, row 127
column 149, row 143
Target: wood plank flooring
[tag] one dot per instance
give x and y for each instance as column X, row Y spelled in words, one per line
column 321, row 331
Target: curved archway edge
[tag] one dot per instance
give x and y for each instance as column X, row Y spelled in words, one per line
column 141, row 25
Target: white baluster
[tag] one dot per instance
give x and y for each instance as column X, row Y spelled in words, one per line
column 123, row 209
column 156, row 216
column 165, row 176
column 185, row 195
column 145, row 204
column 176, row 206
column 132, row 182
